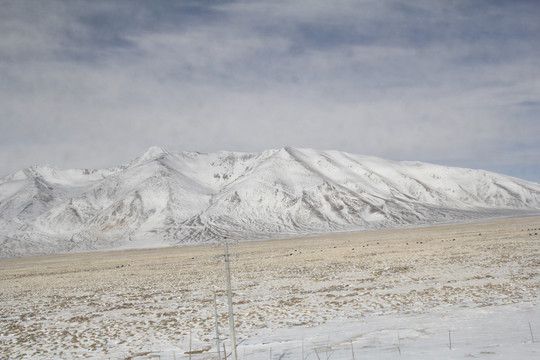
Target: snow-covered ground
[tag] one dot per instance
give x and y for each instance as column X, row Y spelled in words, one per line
column 378, row 295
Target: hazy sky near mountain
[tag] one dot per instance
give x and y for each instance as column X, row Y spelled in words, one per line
column 95, row 83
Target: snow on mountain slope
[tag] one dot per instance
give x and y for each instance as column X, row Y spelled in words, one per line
column 164, row 198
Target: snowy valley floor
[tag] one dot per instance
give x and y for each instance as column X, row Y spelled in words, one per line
column 441, row 292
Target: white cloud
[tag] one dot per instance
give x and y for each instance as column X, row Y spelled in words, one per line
column 87, row 85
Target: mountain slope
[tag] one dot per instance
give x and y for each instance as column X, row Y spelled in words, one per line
column 164, row 198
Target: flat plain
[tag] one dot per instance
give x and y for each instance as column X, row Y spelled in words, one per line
column 293, row 296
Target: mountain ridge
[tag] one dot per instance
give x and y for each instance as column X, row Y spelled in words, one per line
column 164, row 198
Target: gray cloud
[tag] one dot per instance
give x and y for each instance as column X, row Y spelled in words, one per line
column 93, row 84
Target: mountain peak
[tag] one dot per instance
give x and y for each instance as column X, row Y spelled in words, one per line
column 153, row 153
column 193, row 198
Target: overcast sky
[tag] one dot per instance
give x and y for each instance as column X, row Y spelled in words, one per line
column 93, row 84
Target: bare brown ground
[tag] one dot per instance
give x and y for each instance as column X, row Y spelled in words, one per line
column 105, row 303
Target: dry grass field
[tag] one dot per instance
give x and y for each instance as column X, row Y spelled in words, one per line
column 116, row 304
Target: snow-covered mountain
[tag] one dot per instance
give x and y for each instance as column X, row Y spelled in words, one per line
column 164, row 198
